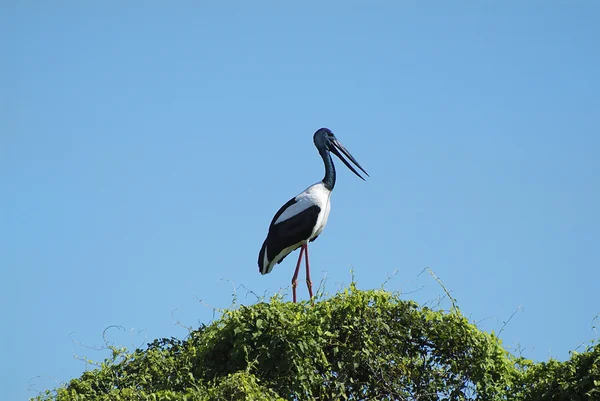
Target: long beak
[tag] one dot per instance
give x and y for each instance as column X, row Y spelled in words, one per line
column 338, row 145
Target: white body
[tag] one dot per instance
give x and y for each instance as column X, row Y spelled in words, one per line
column 317, row 195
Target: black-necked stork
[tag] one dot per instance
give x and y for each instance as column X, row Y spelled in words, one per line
column 303, row 217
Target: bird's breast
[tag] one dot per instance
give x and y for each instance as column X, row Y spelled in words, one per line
column 321, row 196
column 315, row 195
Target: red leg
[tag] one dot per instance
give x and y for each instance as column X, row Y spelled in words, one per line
column 308, row 282
column 295, row 278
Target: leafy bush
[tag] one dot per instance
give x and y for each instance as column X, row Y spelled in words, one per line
column 575, row 379
column 357, row 345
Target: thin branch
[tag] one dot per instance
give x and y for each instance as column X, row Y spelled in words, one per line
column 249, row 291
column 413, row 291
column 83, row 345
column 145, row 340
column 121, row 328
column 86, row 361
column 520, row 307
column 484, row 319
column 595, row 322
column 389, row 277
column 321, row 287
column 441, row 285
column 214, row 309
column 32, row 388
column 234, row 294
column 178, row 322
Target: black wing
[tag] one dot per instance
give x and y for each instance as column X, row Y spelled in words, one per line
column 288, row 232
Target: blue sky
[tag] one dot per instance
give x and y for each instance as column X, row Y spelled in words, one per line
column 145, row 149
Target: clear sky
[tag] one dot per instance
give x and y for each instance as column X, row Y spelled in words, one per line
column 144, row 148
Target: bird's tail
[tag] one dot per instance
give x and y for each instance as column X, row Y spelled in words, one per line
column 263, row 262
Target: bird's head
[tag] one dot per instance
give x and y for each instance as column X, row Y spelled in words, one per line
column 325, row 140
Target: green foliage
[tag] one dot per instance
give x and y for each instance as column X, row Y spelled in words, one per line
column 575, row 379
column 357, row 345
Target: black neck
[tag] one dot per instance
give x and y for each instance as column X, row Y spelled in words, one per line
column 329, row 179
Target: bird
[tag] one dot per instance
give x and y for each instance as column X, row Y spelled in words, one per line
column 302, row 219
